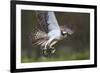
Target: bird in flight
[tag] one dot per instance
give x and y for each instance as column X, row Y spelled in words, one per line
column 50, row 33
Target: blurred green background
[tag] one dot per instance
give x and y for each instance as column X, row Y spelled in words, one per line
column 74, row 47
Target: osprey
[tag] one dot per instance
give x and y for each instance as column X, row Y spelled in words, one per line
column 50, row 32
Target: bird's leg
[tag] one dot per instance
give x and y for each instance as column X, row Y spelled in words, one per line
column 51, row 46
column 47, row 45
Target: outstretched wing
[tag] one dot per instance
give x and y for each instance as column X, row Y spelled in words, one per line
column 47, row 21
column 39, row 37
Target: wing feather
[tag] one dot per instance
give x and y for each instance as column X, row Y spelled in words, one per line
column 42, row 17
column 39, row 37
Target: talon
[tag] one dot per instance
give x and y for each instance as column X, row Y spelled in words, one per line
column 53, row 50
column 45, row 52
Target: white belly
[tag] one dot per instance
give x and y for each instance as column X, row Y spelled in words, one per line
column 56, row 34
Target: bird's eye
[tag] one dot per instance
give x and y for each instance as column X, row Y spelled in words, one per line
column 63, row 33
